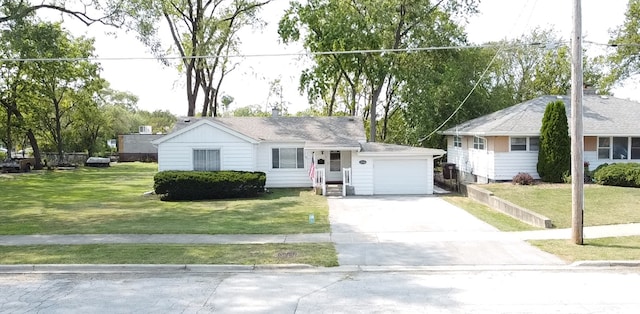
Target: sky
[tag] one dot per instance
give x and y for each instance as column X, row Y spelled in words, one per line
column 161, row 88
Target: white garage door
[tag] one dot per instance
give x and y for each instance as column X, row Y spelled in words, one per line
column 405, row 176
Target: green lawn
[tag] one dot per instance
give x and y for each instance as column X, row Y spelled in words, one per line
column 110, row 200
column 617, row 248
column 317, row 254
column 487, row 214
column 604, row 205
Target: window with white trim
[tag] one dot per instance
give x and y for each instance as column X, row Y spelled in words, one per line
column 604, row 147
column 206, row 159
column 457, row 141
column 479, row 142
column 534, row 143
column 518, row 144
column 635, row 148
column 287, row 158
column 620, row 148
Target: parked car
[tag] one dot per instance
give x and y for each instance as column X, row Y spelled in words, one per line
column 17, row 165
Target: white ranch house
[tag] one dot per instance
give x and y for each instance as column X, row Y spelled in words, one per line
column 285, row 147
column 497, row 146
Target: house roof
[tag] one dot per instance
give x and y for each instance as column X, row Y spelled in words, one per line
column 602, row 116
column 398, row 150
column 339, row 132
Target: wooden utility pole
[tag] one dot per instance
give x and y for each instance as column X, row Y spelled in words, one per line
column 577, row 139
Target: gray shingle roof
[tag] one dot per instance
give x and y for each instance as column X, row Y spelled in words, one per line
column 399, row 149
column 602, row 116
column 334, row 131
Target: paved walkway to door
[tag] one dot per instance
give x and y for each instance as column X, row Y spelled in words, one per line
column 422, row 231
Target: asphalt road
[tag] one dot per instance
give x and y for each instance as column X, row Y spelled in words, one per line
column 336, row 290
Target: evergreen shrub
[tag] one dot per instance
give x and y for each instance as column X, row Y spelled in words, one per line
column 203, row 185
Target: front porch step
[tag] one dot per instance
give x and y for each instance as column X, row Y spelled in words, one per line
column 334, row 190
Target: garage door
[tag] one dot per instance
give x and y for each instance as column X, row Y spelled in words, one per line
column 405, row 176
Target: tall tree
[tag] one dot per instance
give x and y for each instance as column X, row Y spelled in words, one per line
column 199, row 28
column 554, row 157
column 625, row 62
column 364, row 25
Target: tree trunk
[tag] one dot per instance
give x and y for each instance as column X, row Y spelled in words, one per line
column 36, row 150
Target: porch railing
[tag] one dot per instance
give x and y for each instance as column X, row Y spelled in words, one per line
column 346, row 180
column 320, row 180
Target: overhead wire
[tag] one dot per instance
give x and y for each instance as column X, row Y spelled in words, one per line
column 482, row 76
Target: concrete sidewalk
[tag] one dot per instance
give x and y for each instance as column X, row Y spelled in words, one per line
column 336, row 237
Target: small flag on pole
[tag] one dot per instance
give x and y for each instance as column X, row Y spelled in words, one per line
column 312, row 168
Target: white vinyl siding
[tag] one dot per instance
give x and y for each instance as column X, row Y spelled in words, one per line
column 206, row 159
column 279, row 177
column 507, row 165
column 362, row 174
column 235, row 153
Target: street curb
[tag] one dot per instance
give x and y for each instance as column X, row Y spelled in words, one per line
column 146, row 268
column 634, row 263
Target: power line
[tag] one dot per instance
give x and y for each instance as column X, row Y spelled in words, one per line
column 475, row 86
column 265, row 55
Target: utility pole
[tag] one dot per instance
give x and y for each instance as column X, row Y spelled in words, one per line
column 577, row 139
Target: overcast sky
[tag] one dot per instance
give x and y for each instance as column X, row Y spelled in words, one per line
column 162, row 88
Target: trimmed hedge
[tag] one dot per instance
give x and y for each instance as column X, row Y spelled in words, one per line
column 621, row 174
column 202, row 185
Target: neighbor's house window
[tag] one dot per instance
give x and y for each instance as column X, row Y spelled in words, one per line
column 287, row 158
column 457, row 141
column 635, row 148
column 479, row 142
column 518, row 144
column 206, row 159
column 534, row 143
column 604, row 146
column 531, row 144
column 618, row 148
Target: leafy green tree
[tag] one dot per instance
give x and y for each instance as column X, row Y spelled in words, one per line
column 625, row 62
column 198, row 28
column 363, row 81
column 554, row 156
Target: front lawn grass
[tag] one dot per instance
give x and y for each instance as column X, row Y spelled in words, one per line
column 604, row 205
column 316, row 254
column 487, row 214
column 110, row 201
column 616, row 248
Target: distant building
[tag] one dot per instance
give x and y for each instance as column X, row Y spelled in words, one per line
column 137, row 147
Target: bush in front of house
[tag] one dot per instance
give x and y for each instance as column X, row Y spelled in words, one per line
column 620, row 174
column 554, row 155
column 202, row 185
column 522, row 178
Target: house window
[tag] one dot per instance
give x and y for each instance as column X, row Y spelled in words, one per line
column 534, row 144
column 604, row 146
column 620, row 148
column 479, row 142
column 457, row 141
column 635, row 148
column 206, row 159
column 518, row 144
column 287, row 158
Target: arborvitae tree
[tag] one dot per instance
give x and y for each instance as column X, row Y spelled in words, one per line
column 554, row 157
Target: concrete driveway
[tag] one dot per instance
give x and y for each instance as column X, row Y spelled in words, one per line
column 421, row 231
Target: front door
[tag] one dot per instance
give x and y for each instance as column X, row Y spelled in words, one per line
column 334, row 171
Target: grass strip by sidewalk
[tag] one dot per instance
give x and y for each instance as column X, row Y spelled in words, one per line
column 487, row 214
column 316, row 254
column 614, row 248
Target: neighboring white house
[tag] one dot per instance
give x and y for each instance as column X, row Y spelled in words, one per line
column 284, row 147
column 499, row 145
